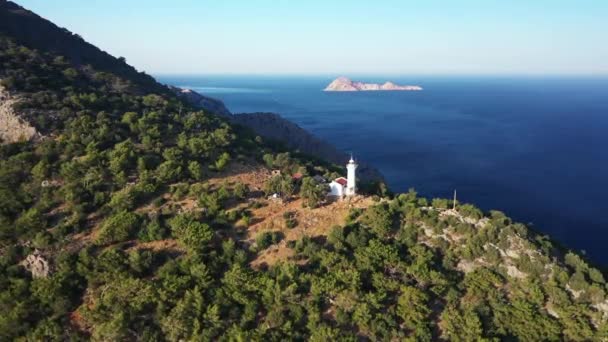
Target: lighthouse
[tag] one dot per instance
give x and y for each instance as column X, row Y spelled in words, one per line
column 351, row 182
column 341, row 186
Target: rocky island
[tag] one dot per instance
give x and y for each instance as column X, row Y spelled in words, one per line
column 345, row 84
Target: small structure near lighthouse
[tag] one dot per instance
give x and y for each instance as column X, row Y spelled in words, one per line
column 341, row 186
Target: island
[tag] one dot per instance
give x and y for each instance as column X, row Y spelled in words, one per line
column 345, row 84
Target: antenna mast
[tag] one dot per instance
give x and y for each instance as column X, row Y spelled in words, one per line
column 454, row 205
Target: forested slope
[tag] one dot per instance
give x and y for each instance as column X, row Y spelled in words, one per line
column 136, row 217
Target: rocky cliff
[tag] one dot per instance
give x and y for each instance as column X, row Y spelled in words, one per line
column 274, row 126
column 345, row 84
column 204, row 102
column 12, row 127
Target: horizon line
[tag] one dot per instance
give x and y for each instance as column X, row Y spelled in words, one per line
column 396, row 74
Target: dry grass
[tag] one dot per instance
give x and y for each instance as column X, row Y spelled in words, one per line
column 311, row 222
column 167, row 245
column 253, row 175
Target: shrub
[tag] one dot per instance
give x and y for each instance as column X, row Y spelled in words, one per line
column 312, row 192
column 158, row 201
column 123, row 200
column 191, row 233
column 379, row 219
column 222, row 161
column 241, row 190
column 265, row 239
column 42, row 240
column 246, row 217
column 440, row 203
column 152, row 231
column 290, row 219
column 116, row 228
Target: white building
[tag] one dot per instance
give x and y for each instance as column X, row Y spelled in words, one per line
column 337, row 187
column 341, row 186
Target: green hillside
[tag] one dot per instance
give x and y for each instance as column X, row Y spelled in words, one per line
column 137, row 217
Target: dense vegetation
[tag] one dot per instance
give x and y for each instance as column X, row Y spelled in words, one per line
column 95, row 195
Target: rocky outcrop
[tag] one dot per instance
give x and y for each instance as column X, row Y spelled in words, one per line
column 345, row 84
column 200, row 101
column 12, row 127
column 36, row 265
column 275, row 127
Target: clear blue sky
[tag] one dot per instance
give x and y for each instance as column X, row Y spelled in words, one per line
column 343, row 36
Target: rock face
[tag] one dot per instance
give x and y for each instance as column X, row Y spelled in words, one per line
column 345, row 84
column 12, row 127
column 275, row 127
column 36, row 265
column 204, row 102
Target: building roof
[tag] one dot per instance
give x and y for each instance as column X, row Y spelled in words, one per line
column 341, row 180
column 319, row 179
column 297, row 176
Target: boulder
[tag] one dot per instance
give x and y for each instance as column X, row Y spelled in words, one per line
column 37, row 265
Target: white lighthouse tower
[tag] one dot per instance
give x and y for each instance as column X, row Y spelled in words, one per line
column 351, row 182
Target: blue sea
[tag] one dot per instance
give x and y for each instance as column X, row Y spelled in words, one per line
column 533, row 147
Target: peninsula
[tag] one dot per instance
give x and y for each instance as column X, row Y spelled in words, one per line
column 345, row 84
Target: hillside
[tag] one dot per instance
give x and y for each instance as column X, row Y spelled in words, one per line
column 30, row 30
column 134, row 216
column 276, row 128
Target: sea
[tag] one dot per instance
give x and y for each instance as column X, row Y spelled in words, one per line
column 533, row 147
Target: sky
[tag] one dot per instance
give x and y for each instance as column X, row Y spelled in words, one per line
column 319, row 37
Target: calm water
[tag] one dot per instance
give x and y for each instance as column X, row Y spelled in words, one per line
column 533, row 148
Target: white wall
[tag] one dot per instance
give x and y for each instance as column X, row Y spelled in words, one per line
column 336, row 189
